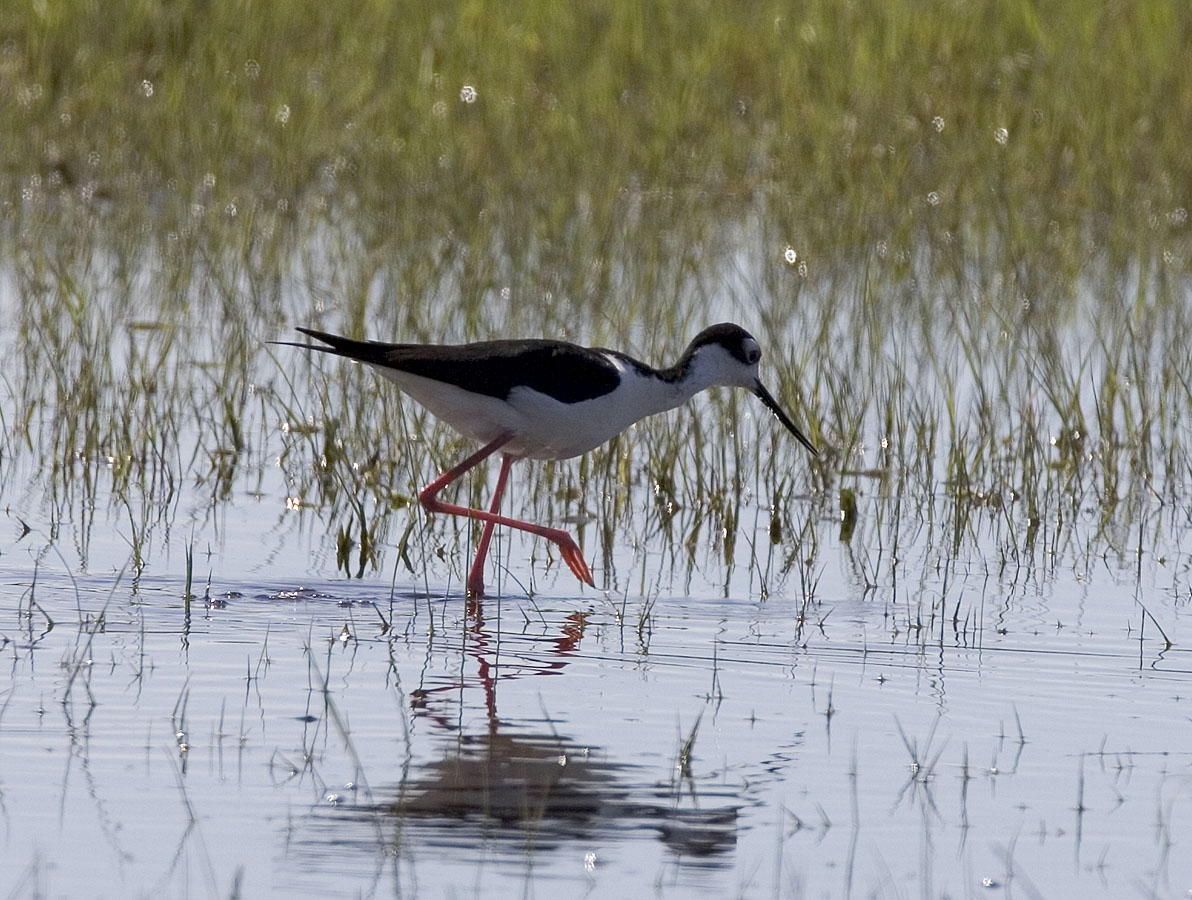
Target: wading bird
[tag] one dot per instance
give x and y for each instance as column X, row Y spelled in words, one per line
column 541, row 399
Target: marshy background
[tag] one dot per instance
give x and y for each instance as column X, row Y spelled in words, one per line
column 947, row 658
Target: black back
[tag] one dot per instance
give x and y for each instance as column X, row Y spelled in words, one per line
column 566, row 372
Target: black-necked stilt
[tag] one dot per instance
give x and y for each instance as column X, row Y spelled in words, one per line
column 540, row 399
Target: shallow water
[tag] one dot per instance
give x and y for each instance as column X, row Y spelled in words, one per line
column 294, row 735
column 954, row 697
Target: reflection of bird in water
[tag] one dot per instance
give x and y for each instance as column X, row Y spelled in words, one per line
column 541, row 399
column 514, row 663
column 525, row 785
column 505, row 782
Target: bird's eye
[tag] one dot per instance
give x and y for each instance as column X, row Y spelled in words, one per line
column 752, row 355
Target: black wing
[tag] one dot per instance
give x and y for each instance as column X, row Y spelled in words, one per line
column 567, row 372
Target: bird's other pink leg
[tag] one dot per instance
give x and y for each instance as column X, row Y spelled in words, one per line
column 428, row 497
column 475, row 584
column 430, row 502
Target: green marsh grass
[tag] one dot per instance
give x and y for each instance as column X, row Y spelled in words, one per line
column 959, row 230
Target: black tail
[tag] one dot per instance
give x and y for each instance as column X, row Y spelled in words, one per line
column 362, row 351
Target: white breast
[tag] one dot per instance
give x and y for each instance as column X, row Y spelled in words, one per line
column 543, row 427
column 553, row 430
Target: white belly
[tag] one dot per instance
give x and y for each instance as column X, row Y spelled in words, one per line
column 542, row 427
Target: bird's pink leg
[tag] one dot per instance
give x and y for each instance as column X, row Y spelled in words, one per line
column 475, row 584
column 428, row 497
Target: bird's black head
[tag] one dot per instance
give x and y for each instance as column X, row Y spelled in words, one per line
column 727, row 354
column 733, row 339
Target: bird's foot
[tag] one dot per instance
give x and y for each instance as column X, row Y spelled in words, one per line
column 574, row 558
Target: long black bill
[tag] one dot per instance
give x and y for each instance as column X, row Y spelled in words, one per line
column 772, row 405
